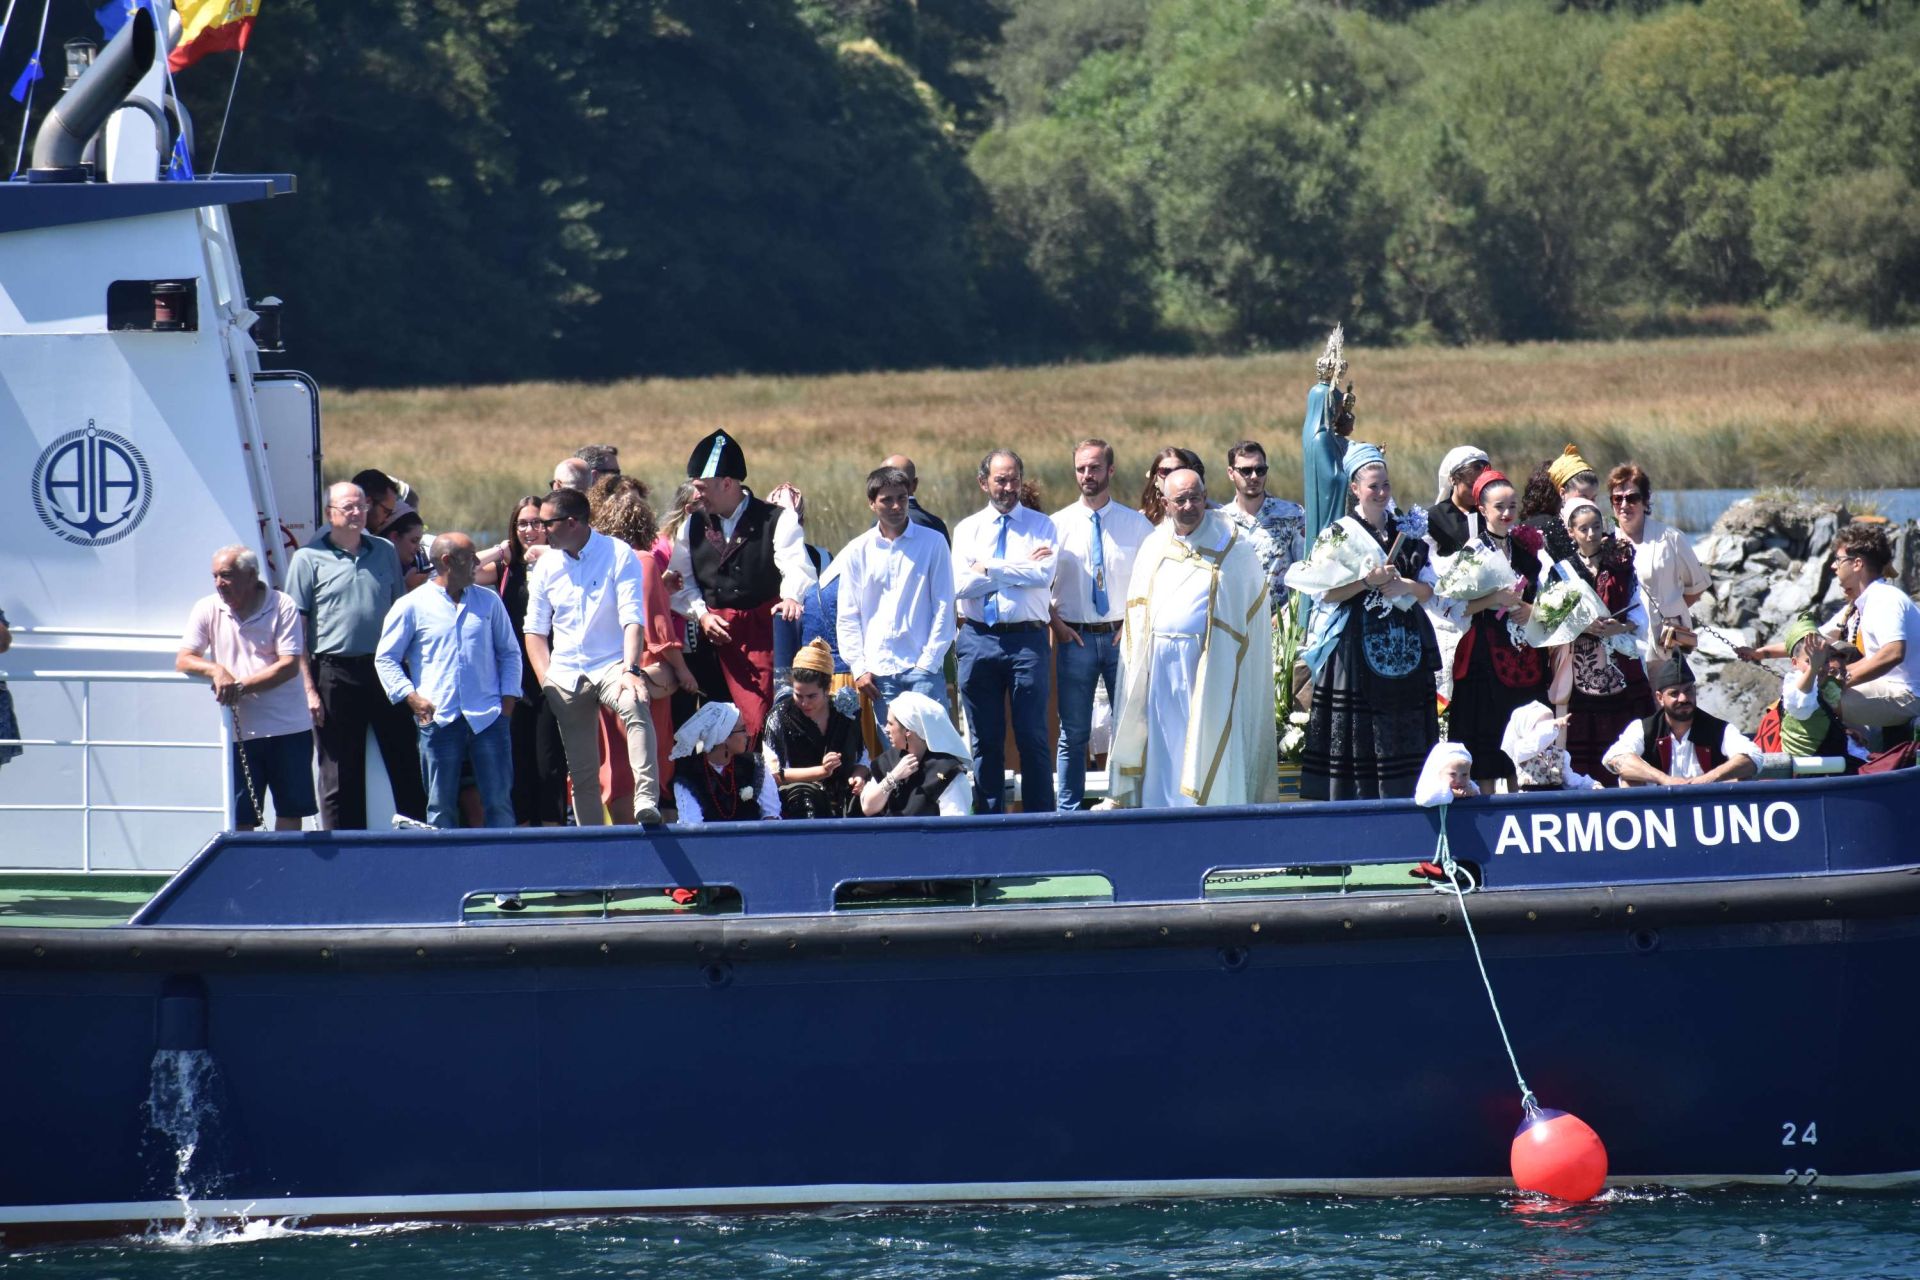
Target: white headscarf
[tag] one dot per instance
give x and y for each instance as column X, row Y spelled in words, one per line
column 917, row 713
column 1530, row 731
column 1571, row 505
column 1456, row 458
column 1435, row 787
column 706, row 729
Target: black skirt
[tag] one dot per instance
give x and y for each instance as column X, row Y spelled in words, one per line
column 1368, row 734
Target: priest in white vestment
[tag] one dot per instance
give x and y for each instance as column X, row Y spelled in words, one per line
column 1196, row 720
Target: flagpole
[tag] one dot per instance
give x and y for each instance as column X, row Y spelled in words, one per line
column 26, row 117
column 226, row 115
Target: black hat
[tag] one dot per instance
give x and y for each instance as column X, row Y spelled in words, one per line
column 1673, row 673
column 717, row 455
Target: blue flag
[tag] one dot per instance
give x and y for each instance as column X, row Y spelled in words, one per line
column 28, row 78
column 112, row 16
column 180, row 166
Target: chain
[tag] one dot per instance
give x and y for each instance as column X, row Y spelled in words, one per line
column 246, row 769
column 1734, row 646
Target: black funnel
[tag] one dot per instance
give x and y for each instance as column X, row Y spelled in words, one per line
column 59, row 149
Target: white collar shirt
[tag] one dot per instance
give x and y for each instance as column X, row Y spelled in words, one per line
column 896, row 602
column 1686, row 761
column 459, row 655
column 586, row 603
column 1022, row 583
column 1122, row 530
column 789, row 556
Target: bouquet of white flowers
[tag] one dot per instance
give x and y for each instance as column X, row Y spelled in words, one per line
column 1476, row 571
column 1564, row 610
column 1338, row 559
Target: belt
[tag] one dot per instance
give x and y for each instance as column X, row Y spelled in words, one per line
column 1005, row 628
column 341, row 659
column 1095, row 628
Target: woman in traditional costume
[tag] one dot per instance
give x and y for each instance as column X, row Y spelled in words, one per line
column 1600, row 679
column 813, row 753
column 1371, row 649
column 1491, row 673
column 923, row 772
column 719, row 779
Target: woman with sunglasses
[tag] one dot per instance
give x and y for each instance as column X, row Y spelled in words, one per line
column 1153, row 503
column 1671, row 577
column 539, row 759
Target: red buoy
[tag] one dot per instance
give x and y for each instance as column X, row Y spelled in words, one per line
column 1559, row 1155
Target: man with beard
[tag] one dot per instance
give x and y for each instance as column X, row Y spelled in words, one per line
column 1093, row 562
column 1196, row 723
column 1679, row 743
column 1276, row 528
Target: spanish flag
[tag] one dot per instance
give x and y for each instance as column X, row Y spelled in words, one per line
column 210, row 26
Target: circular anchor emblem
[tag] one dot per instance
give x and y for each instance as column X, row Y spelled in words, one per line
column 92, row 487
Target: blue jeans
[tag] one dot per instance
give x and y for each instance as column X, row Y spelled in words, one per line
column 914, row 680
column 445, row 747
column 1078, row 668
column 995, row 670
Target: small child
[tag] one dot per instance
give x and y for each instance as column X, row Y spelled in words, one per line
column 1532, row 742
column 1810, row 697
column 1447, row 776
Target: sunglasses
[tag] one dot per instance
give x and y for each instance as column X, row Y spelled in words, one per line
column 1628, row 499
column 1164, row 472
column 546, row 523
column 1250, row 472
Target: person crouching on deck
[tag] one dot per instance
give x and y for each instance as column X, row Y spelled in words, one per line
column 924, row 770
column 1679, row 743
column 724, row 780
column 814, row 754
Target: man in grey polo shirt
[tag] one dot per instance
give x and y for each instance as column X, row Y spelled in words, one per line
column 344, row 581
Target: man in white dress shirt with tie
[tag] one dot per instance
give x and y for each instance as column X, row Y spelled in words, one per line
column 1003, row 578
column 895, row 621
column 1092, row 564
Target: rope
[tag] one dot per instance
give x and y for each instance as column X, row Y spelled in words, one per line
column 1456, row 874
column 226, row 115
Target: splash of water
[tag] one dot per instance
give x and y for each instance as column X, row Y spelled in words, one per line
column 180, row 1110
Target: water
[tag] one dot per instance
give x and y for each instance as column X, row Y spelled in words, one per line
column 1749, row 1235
column 1695, row 510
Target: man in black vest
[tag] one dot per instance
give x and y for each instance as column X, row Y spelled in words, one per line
column 1680, row 744
column 741, row 561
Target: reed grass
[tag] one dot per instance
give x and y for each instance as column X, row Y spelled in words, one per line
column 1822, row 407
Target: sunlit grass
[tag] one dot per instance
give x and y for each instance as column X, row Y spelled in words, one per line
column 1824, row 407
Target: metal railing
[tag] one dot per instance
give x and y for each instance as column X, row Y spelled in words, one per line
column 86, row 743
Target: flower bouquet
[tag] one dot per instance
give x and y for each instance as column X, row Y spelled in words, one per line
column 1476, row 571
column 1338, row 559
column 1565, row 609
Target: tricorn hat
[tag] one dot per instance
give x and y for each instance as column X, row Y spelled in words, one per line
column 1673, row 673
column 717, row 455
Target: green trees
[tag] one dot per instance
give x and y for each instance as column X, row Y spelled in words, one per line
column 502, row 189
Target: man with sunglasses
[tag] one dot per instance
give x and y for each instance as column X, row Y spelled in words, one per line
column 1670, row 574
column 1274, row 527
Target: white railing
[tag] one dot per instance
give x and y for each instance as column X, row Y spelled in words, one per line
column 86, row 743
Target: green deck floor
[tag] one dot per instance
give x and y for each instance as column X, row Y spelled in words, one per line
column 72, row 899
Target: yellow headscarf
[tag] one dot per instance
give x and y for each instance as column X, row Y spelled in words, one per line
column 1568, row 465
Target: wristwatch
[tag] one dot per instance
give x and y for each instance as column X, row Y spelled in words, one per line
column 633, row 668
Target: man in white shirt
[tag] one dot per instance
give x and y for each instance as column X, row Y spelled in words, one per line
column 1273, row 525
column 1093, row 563
column 448, row 651
column 248, row 640
column 1679, row 743
column 1881, row 622
column 896, row 601
column 590, row 597
column 741, row 562
column 1003, row 578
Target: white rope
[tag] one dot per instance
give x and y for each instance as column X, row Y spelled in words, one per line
column 1455, row 875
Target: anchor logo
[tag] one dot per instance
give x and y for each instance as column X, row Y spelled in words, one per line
column 92, row 487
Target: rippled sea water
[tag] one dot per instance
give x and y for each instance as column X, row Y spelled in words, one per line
column 1748, row 1235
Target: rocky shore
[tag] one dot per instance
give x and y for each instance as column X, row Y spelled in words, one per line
column 1770, row 560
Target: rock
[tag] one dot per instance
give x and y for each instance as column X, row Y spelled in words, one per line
column 1794, row 595
column 1820, row 535
column 1720, row 552
column 1739, row 694
column 1782, row 523
column 1774, row 558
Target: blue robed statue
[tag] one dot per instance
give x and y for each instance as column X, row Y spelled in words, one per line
column 1323, row 439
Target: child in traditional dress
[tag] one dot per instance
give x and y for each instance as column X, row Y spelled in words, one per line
column 1446, row 776
column 1540, row 763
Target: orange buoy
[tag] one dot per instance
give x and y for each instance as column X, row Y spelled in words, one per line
column 1559, row 1155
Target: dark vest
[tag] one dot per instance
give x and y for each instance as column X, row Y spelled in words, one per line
column 919, row 795
column 739, row 574
column 1448, row 526
column 1705, row 738
column 719, row 794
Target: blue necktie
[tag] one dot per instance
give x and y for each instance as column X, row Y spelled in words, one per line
column 1099, row 573
column 991, row 609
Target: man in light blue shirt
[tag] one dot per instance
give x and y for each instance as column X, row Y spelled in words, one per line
column 458, row 644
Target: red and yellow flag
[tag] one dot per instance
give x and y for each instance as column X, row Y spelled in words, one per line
column 210, row 26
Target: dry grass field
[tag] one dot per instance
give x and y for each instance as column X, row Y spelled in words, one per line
column 1827, row 407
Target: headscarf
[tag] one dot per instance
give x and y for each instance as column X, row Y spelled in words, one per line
column 705, row 729
column 1457, row 457
column 1435, row 787
column 1487, row 478
column 1799, row 629
column 1530, row 731
column 1361, row 454
column 917, row 713
column 814, row 655
column 1572, row 505
column 1565, row 467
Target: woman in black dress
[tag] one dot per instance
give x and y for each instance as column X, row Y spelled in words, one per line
column 923, row 772
column 1374, row 718
column 539, row 759
column 719, row 779
column 813, row 753
column 1491, row 674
